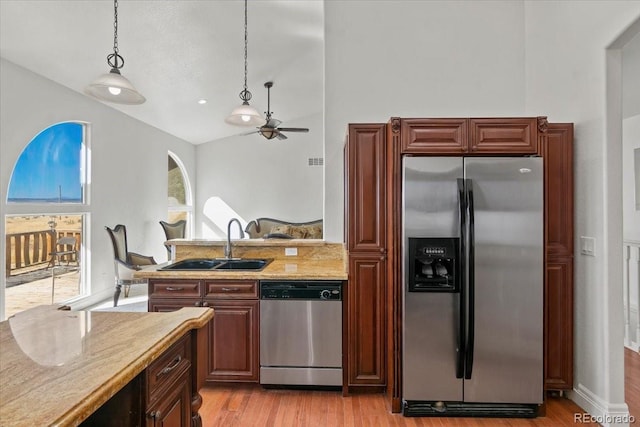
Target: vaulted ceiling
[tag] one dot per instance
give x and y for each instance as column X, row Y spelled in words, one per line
column 177, row 52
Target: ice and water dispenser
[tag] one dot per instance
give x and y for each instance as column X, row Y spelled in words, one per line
column 434, row 265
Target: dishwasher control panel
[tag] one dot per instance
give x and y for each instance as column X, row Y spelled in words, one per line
column 301, row 290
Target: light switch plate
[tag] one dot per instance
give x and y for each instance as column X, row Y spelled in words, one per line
column 290, row 251
column 588, row 246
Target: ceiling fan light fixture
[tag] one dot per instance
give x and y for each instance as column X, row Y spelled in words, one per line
column 113, row 86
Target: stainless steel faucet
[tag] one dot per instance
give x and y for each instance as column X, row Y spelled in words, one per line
column 227, row 248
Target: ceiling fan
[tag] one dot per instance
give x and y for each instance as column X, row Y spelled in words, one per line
column 270, row 129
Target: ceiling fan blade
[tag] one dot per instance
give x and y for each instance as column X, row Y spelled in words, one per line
column 273, row 123
column 293, row 129
column 249, row 133
column 281, row 136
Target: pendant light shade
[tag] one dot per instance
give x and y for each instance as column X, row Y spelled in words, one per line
column 245, row 114
column 113, row 86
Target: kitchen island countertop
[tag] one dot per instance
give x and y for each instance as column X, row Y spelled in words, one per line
column 57, row 367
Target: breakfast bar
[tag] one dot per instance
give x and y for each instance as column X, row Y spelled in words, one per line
column 63, row 368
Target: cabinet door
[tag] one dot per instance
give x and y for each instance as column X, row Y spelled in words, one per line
column 366, row 203
column 558, row 296
column 557, row 151
column 366, row 321
column 234, row 341
column 434, row 136
column 504, row 136
column 167, row 304
column 173, row 408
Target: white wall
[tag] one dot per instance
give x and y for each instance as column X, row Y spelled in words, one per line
column 257, row 177
column 415, row 59
column 129, row 165
column 568, row 81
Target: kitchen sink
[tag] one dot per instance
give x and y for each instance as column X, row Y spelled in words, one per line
column 244, row 264
column 218, row 264
column 194, row 264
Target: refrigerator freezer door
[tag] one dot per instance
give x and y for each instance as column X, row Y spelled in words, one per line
column 430, row 209
column 508, row 332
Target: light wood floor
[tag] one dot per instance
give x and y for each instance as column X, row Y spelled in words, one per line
column 632, row 382
column 231, row 406
column 251, row 405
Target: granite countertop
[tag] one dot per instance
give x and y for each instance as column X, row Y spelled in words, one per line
column 313, row 260
column 57, row 367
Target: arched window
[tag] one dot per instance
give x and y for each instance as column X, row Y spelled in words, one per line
column 51, row 168
column 178, row 192
column 47, row 206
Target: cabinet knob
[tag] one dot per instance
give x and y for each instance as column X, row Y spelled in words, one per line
column 154, row 415
column 205, row 304
column 197, row 303
column 382, row 250
column 382, row 258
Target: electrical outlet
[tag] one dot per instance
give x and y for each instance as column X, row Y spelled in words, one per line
column 290, row 251
column 588, row 246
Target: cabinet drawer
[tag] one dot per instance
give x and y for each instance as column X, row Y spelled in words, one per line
column 174, row 289
column 230, row 289
column 434, row 136
column 504, row 135
column 167, row 367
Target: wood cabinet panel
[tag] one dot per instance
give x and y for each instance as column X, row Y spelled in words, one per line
column 503, row 136
column 558, row 298
column 434, row 136
column 231, row 289
column 366, row 326
column 366, row 202
column 557, row 151
column 167, row 368
column 173, row 408
column 234, row 341
column 182, row 288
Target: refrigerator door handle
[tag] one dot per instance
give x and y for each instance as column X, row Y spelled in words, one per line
column 460, row 268
column 471, row 284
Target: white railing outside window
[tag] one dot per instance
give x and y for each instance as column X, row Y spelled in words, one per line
column 631, row 289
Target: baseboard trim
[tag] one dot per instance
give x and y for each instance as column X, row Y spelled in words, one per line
column 598, row 410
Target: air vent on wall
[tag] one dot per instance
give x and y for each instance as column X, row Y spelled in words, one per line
column 316, row 161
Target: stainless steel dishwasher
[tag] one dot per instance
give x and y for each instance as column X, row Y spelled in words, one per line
column 301, row 333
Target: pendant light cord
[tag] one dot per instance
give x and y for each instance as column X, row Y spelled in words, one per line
column 114, row 60
column 245, row 95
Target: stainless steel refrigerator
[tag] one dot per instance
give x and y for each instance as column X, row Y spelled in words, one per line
column 473, row 286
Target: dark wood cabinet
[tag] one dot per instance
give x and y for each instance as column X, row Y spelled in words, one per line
column 173, row 407
column 470, row 136
column 366, row 234
column 233, row 336
column 557, row 150
column 503, row 136
column 234, row 341
column 373, row 229
column 558, row 319
column 434, row 136
column 366, row 320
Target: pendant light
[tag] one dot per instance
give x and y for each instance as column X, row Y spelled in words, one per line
column 113, row 86
column 245, row 114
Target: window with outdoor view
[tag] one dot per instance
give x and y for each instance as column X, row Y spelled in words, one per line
column 179, row 191
column 46, row 220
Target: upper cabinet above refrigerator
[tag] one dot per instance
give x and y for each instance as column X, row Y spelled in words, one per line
column 469, row 136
